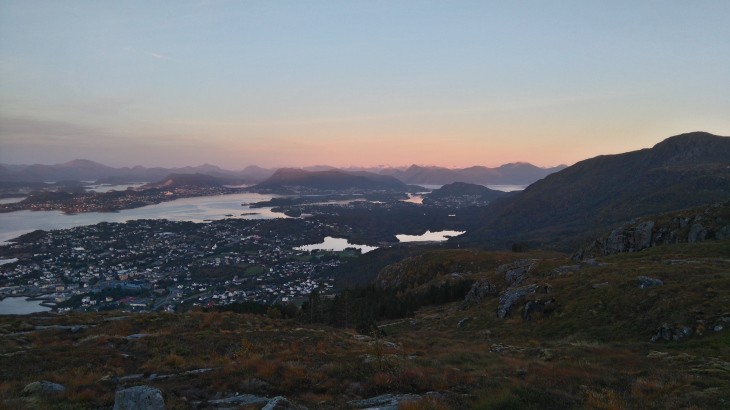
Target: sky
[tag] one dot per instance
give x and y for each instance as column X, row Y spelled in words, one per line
column 356, row 83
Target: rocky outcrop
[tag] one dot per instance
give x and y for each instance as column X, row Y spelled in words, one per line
column 647, row 282
column 480, row 290
column 694, row 225
column 281, row 403
column 537, row 306
column 385, row 401
column 672, row 333
column 139, row 398
column 516, row 272
column 511, row 296
column 42, row 388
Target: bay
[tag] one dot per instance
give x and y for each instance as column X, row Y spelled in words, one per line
column 195, row 209
column 335, row 244
column 21, row 306
column 429, row 236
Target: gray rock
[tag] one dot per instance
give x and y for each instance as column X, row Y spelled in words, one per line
column 281, row 403
column 42, row 387
column 669, row 333
column 239, row 400
column 385, row 401
column 138, row 336
column 511, row 296
column 462, row 322
column 479, row 291
column 647, row 282
column 642, row 235
column 697, row 233
column 535, row 306
column 718, row 328
column 139, row 398
column 723, row 233
column 516, row 272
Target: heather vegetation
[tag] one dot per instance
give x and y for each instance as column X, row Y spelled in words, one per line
column 593, row 350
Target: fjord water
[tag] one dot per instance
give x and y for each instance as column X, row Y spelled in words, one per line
column 335, row 244
column 21, row 306
column 196, row 209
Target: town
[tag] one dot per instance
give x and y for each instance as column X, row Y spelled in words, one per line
column 155, row 265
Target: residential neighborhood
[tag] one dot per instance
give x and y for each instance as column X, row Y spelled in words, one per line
column 152, row 265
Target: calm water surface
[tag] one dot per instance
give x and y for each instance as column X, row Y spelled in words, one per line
column 198, row 209
column 21, row 306
column 335, row 244
column 429, row 236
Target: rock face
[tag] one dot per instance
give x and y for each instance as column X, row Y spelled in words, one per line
column 647, row 282
column 695, row 225
column 479, row 291
column 511, row 296
column 672, row 333
column 139, row 398
column 516, row 272
column 385, row 402
column 281, row 403
column 42, row 387
column 536, row 306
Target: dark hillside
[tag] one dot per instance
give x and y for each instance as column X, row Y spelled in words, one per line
column 680, row 172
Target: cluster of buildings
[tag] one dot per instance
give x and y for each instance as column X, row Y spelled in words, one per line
column 80, row 202
column 148, row 265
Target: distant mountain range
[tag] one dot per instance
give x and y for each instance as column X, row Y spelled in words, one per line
column 292, row 179
column 519, row 173
column 680, row 172
column 86, row 170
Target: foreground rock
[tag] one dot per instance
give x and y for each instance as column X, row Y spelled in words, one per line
column 139, row 398
column 479, row 291
column 385, row 401
column 647, row 282
column 43, row 387
column 281, row 403
column 692, row 225
column 511, row 296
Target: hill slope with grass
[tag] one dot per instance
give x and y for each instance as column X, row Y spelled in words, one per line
column 567, row 207
column 583, row 335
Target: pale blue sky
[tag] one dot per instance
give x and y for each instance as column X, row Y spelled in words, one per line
column 273, row 83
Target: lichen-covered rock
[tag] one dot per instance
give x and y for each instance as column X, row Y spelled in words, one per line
column 385, row 401
column 281, row 403
column 479, row 291
column 139, row 398
column 239, row 400
column 42, row 387
column 516, row 272
column 647, row 282
column 537, row 306
column 511, row 296
column 672, row 333
column 697, row 233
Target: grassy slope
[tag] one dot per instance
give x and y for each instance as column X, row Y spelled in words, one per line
column 593, row 351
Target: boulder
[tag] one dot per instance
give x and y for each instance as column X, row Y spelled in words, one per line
column 697, row 233
column 281, row 403
column 642, row 235
column 537, row 306
column 385, row 401
column 511, row 296
column 516, row 272
column 139, row 398
column 672, row 333
column 42, row 387
column 479, row 291
column 647, row 282
column 239, row 400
